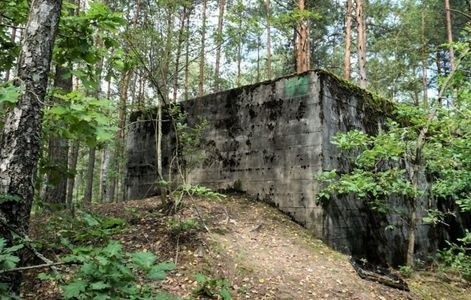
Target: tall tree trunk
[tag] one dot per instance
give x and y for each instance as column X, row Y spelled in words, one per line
column 165, row 73
column 239, row 54
column 269, row 68
column 259, row 44
column 179, row 50
column 203, row 49
column 73, row 158
column 449, row 35
column 118, row 155
column 104, row 162
column 424, row 64
column 21, row 139
column 219, row 39
column 348, row 40
column 88, row 194
column 187, row 58
column 302, row 44
column 58, row 151
column 361, row 42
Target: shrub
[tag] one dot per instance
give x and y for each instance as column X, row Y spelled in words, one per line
column 110, row 273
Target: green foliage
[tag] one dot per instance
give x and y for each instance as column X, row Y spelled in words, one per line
column 4, row 198
column 200, row 191
column 78, row 35
column 84, row 228
column 456, row 257
column 292, row 17
column 78, row 117
column 8, row 258
column 111, row 273
column 187, row 227
column 406, row 271
column 13, row 13
column 9, row 94
column 215, row 288
column 377, row 172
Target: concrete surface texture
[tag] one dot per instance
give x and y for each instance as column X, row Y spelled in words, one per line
column 269, row 140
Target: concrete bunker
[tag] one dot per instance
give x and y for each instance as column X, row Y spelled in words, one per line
column 270, row 139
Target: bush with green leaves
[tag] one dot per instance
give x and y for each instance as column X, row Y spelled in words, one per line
column 432, row 142
column 111, row 273
column 85, row 227
column 9, row 258
column 456, row 257
column 185, row 227
column 215, row 288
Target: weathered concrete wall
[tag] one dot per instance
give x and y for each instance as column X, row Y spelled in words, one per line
column 273, row 137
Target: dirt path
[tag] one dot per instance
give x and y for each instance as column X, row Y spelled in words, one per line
column 267, row 256
column 260, row 251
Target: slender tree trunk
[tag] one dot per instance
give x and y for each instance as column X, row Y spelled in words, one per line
column 449, row 35
column 219, row 39
column 348, row 40
column 187, row 58
column 469, row 22
column 259, row 44
column 13, row 40
column 239, row 54
column 302, row 44
column 73, row 158
column 58, row 151
column 361, row 28
column 203, row 49
column 118, row 155
column 179, row 50
column 102, row 180
column 411, row 238
column 269, row 68
column 165, row 73
column 88, row 194
column 21, row 139
column 424, row 64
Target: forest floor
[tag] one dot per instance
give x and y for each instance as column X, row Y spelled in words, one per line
column 259, row 251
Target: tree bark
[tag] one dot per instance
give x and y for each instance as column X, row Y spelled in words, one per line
column 203, row 49
column 424, row 64
column 302, row 44
column 118, row 155
column 217, row 79
column 187, row 58
column 179, row 50
column 58, row 151
column 348, row 40
column 449, row 35
column 361, row 40
column 239, row 54
column 21, row 139
column 88, row 194
column 269, row 68
column 73, row 158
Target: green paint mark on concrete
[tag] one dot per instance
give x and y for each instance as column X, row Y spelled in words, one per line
column 297, row 86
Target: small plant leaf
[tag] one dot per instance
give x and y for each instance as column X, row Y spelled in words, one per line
column 225, row 294
column 144, row 260
column 74, row 289
column 99, row 285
